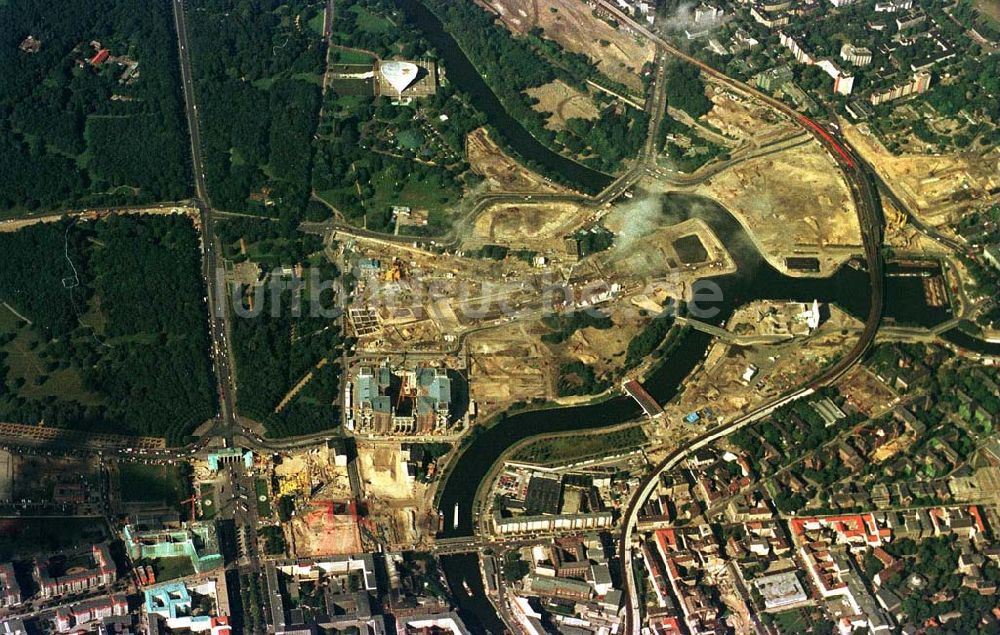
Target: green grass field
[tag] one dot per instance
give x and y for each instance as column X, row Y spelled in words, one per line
column 419, row 194
column 208, row 503
column 794, row 621
column 24, row 362
column 368, row 21
column 990, row 9
column 263, row 506
column 569, row 448
column 151, row 483
column 316, row 23
column 348, row 56
column 171, row 568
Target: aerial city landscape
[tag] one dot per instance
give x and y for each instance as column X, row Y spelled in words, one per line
column 447, row 317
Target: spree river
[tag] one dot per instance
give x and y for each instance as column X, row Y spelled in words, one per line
column 462, row 73
column 755, row 279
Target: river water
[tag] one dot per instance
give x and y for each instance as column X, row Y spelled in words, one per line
column 755, row 279
column 961, row 338
column 461, row 72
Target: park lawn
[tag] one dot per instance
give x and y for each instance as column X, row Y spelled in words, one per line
column 263, row 499
column 266, row 250
column 171, row 568
column 772, row 490
column 315, row 78
column 350, row 56
column 23, row 361
column 418, row 194
column 263, row 83
column 568, row 448
column 316, row 23
column 151, row 483
column 794, row 621
column 8, row 321
column 329, row 196
column 411, row 139
column 990, row 9
column 95, row 318
column 369, row 22
column 208, row 502
column 351, row 102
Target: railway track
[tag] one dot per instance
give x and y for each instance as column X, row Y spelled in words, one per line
column 864, row 191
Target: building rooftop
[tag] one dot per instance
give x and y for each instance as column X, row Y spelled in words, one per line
column 543, row 496
column 171, row 600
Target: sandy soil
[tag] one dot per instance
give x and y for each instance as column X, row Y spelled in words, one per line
column 718, row 384
column 319, row 531
column 539, row 226
column 574, row 27
column 604, row 349
column 564, row 103
column 502, row 173
column 794, row 203
column 382, row 474
column 741, row 118
column 935, row 188
column 12, row 225
column 508, row 365
column 394, row 502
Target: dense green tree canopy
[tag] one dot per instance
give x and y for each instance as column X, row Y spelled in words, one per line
column 74, row 133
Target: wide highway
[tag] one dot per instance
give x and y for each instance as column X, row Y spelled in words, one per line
column 212, row 268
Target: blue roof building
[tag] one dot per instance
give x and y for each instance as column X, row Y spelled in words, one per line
column 171, row 601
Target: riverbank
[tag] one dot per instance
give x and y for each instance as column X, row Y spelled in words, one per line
column 755, row 279
column 504, row 127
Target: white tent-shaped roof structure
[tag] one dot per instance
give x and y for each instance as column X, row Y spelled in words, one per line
column 399, row 74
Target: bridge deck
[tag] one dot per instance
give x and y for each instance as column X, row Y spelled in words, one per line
column 635, row 390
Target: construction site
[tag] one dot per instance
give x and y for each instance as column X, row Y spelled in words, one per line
column 325, row 528
column 794, row 204
column 540, row 227
column 60, row 479
column 316, row 484
column 771, row 347
column 483, row 309
column 866, row 392
column 502, row 173
column 745, row 121
column 937, row 188
column 327, row 504
column 518, row 263
column 399, row 505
